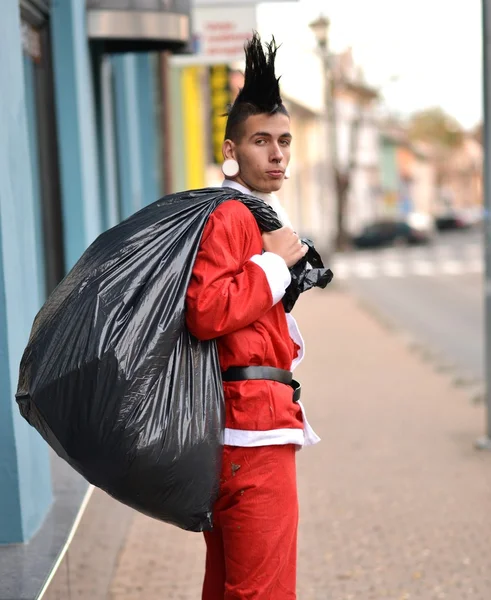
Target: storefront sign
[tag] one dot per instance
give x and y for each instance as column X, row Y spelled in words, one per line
column 140, row 21
column 173, row 6
column 222, row 33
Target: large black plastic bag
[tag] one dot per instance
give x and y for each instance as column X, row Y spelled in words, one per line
column 112, row 379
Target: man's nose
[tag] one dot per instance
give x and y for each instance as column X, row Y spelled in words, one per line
column 277, row 154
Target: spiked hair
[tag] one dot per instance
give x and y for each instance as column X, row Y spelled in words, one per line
column 261, row 91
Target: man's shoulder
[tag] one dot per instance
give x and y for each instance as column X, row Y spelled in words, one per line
column 233, row 212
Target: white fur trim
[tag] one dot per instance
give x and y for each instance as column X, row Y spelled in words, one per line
column 310, row 437
column 276, row 271
column 272, row 437
column 297, row 338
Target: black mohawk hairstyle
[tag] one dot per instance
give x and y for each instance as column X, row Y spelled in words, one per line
column 261, row 86
column 261, row 91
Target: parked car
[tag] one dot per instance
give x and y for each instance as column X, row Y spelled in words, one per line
column 392, row 232
column 450, row 220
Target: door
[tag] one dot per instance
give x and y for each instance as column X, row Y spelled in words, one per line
column 41, row 123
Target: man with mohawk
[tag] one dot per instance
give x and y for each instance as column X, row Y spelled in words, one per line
column 239, row 279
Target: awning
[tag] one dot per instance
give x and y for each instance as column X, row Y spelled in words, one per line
column 131, row 25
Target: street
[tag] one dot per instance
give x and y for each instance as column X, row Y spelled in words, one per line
column 434, row 293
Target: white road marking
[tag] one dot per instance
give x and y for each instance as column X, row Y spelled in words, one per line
column 341, row 270
column 393, row 268
column 365, row 270
column 451, row 267
column 423, row 267
column 423, row 262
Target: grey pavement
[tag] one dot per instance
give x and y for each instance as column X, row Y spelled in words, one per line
column 395, row 501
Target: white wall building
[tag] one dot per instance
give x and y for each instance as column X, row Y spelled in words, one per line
column 358, row 141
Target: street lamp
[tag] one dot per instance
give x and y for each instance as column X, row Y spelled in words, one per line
column 484, row 443
column 320, row 28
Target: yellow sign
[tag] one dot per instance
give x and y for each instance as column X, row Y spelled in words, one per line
column 220, row 98
column 390, row 199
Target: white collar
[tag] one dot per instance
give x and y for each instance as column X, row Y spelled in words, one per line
column 270, row 199
column 237, row 186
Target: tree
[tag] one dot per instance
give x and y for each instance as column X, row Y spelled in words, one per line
column 434, row 125
column 443, row 132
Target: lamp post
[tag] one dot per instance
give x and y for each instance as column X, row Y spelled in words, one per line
column 320, row 28
column 484, row 443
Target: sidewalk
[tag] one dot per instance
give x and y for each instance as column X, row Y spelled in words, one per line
column 395, row 502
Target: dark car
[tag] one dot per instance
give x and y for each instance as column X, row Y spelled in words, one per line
column 450, row 221
column 386, row 233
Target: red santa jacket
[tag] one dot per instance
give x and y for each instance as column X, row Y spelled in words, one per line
column 235, row 296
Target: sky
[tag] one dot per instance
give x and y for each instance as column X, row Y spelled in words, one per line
column 420, row 53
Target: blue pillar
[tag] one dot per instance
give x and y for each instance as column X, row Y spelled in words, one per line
column 107, row 143
column 30, row 102
column 149, row 134
column 82, row 219
column 25, row 484
column 128, row 137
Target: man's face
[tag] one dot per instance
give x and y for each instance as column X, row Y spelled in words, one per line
column 263, row 152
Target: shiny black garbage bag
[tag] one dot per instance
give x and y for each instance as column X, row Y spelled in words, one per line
column 112, row 379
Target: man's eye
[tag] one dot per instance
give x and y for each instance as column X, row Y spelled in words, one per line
column 260, row 142
column 285, row 142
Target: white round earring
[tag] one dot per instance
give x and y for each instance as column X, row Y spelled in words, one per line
column 230, row 167
column 287, row 173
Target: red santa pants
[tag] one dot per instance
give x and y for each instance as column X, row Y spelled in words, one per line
column 252, row 550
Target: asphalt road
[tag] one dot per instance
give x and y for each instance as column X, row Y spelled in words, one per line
column 434, row 293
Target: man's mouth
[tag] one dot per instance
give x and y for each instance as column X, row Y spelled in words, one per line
column 276, row 173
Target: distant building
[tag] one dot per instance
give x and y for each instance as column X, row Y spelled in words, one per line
column 408, row 175
column 357, row 139
column 460, row 176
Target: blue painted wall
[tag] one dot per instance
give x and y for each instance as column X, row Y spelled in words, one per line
column 133, row 162
column 24, row 460
column 128, row 138
column 146, row 87
column 137, row 131
column 82, row 215
column 29, row 88
column 109, row 185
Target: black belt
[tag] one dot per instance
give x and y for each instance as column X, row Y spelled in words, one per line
column 264, row 373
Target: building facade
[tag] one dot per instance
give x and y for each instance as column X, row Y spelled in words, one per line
column 85, row 136
column 357, row 140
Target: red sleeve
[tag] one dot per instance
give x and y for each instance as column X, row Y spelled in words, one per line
column 227, row 291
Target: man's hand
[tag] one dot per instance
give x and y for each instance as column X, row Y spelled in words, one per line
column 286, row 243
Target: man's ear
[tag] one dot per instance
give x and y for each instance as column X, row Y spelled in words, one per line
column 228, row 149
